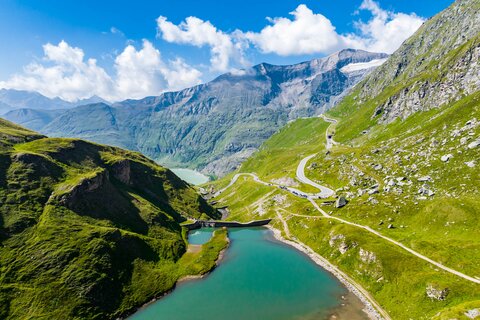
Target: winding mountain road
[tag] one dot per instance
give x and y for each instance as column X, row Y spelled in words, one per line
column 326, row 192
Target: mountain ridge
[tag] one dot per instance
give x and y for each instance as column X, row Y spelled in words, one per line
column 13, row 99
column 216, row 125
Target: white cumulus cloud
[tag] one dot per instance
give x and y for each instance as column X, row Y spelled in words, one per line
column 385, row 31
column 63, row 72
column 199, row 33
column 307, row 33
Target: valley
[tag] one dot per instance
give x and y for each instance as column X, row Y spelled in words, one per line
column 215, row 126
column 335, row 183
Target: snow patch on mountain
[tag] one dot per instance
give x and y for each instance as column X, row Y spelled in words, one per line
column 351, row 67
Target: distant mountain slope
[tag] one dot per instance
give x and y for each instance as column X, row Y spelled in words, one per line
column 11, row 99
column 32, row 118
column 214, row 126
column 90, row 231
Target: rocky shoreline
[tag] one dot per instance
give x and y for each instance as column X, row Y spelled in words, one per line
column 354, row 288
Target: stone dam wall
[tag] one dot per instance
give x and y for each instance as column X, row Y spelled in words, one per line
column 229, row 224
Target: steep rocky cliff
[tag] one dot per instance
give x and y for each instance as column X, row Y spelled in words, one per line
column 438, row 65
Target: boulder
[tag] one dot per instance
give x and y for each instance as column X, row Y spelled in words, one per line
column 424, row 179
column 341, row 202
column 447, row 157
column 473, row 313
column 470, row 164
column 436, row 293
column 474, row 144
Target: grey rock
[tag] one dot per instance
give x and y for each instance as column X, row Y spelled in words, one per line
column 367, row 256
column 474, row 144
column 391, row 183
column 424, row 179
column 473, row 313
column 341, row 202
column 435, row 293
column 471, row 164
column 454, row 27
column 447, row 157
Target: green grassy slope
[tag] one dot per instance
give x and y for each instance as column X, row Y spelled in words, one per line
column 89, row 231
column 408, row 158
column 444, row 226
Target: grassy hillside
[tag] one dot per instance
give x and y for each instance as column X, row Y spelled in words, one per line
column 407, row 163
column 443, row 226
column 90, row 231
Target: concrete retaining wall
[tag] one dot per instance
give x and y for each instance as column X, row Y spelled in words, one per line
column 229, row 224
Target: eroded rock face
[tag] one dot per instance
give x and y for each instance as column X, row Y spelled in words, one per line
column 420, row 57
column 121, row 171
column 87, row 185
column 339, row 241
column 435, row 293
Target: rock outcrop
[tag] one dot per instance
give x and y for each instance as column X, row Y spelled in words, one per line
column 419, row 75
column 435, row 293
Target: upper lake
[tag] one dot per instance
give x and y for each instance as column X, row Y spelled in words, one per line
column 190, row 176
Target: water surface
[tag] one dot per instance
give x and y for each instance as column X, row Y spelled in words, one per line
column 190, row 176
column 259, row 278
column 200, row 236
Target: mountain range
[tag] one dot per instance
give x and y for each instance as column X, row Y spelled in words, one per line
column 216, row 125
column 12, row 99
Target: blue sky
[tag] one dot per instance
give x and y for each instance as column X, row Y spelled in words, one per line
column 152, row 42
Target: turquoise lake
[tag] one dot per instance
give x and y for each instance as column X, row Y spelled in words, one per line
column 258, row 278
column 190, row 176
column 200, row 236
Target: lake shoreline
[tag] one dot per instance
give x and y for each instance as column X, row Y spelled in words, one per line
column 351, row 285
column 183, row 279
